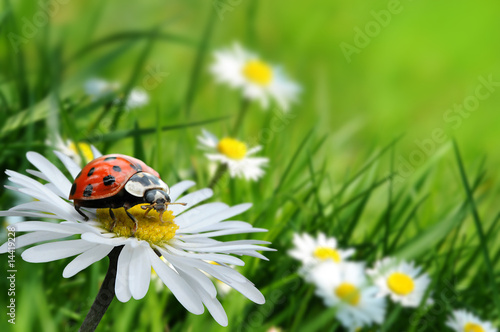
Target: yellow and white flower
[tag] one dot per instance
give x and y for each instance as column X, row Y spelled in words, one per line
column 402, row 281
column 464, row 321
column 312, row 251
column 346, row 287
column 235, row 154
column 185, row 237
column 257, row 79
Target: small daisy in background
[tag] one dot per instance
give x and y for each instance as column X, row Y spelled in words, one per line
column 235, row 154
column 70, row 149
column 402, row 281
column 257, row 79
column 137, row 98
column 312, row 251
column 184, row 237
column 97, row 88
column 346, row 287
column 464, row 321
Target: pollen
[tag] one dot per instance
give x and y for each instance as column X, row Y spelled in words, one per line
column 258, row 72
column 84, row 147
column 150, row 228
column 324, row 253
column 400, row 283
column 232, row 148
column 348, row 293
column 471, row 327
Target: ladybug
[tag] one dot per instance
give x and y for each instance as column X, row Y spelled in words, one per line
column 114, row 181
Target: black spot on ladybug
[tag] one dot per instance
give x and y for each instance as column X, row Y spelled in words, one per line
column 109, row 158
column 108, row 180
column 91, row 171
column 73, row 189
column 117, row 169
column 88, row 191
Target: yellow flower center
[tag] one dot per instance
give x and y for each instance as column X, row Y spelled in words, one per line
column 150, row 228
column 400, row 283
column 348, row 293
column 258, row 72
column 85, row 148
column 232, row 148
column 324, row 253
column 471, row 327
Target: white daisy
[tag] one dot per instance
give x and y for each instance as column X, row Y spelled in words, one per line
column 137, row 98
column 257, row 79
column 69, row 148
column 184, row 237
column 345, row 287
column 463, row 321
column 404, row 282
column 311, row 251
column 97, row 88
column 235, row 155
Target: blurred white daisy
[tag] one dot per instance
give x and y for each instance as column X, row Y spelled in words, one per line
column 69, row 148
column 137, row 98
column 346, row 287
column 403, row 281
column 257, row 79
column 312, row 251
column 97, row 88
column 184, row 237
column 235, row 155
column 464, row 321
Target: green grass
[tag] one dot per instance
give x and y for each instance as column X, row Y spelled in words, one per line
column 338, row 165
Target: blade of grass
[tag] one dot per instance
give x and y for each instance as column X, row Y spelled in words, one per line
column 479, row 228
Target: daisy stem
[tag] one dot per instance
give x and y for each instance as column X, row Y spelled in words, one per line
column 218, row 175
column 105, row 295
column 241, row 115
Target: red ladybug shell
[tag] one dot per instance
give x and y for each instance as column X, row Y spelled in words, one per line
column 105, row 176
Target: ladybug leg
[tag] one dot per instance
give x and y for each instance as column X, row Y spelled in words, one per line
column 112, row 215
column 136, row 222
column 77, row 208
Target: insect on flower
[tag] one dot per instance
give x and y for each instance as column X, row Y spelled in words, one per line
column 114, row 181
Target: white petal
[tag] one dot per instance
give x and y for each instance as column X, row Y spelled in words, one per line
column 30, row 238
column 95, row 152
column 122, row 286
column 86, row 259
column 56, row 250
column 70, row 165
column 191, row 200
column 177, row 189
column 140, row 272
column 51, row 172
column 228, row 213
column 181, row 290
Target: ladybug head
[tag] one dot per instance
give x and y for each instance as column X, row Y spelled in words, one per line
column 158, row 200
